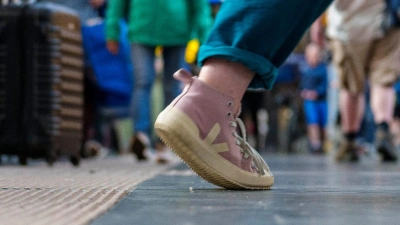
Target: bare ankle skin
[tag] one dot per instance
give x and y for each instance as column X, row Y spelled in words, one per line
column 230, row 78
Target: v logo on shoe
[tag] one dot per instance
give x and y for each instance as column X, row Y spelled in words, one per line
column 212, row 135
column 193, row 129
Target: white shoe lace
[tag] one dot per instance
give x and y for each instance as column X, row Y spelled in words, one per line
column 247, row 150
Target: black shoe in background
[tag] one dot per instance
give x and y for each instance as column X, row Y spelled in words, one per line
column 139, row 145
column 385, row 146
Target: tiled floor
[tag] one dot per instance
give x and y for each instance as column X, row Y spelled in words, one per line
column 64, row 194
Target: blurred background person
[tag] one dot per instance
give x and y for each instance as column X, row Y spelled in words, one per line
column 365, row 48
column 314, row 84
column 170, row 24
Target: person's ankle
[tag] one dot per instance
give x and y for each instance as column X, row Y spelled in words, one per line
column 230, row 78
column 384, row 126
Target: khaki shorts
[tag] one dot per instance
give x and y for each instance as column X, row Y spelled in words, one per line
column 377, row 61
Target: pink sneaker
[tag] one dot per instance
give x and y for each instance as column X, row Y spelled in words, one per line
column 200, row 127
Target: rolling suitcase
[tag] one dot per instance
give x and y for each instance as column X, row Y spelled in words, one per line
column 41, row 82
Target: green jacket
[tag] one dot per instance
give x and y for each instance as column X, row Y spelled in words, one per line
column 160, row 22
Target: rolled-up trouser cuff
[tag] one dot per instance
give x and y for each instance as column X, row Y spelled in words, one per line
column 264, row 69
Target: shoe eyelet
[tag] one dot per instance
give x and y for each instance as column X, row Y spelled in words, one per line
column 229, row 114
column 230, row 103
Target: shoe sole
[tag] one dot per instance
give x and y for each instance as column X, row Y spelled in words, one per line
column 180, row 133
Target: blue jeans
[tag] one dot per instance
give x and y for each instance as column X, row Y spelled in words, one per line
column 260, row 33
column 144, row 75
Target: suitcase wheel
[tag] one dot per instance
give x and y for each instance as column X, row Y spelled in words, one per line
column 75, row 160
column 51, row 159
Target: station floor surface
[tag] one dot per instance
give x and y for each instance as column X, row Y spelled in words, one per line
column 117, row 190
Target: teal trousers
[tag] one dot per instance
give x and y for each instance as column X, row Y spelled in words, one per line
column 260, row 34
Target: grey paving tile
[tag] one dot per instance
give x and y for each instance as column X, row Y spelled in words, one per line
column 307, row 190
